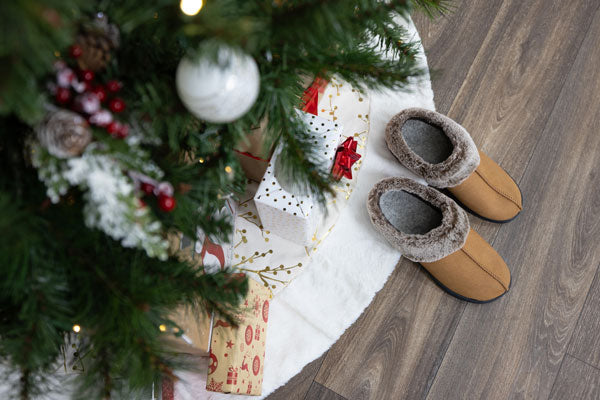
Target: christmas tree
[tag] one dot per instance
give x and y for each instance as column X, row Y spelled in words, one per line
column 118, row 123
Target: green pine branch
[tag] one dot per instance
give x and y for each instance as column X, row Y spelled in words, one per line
column 56, row 271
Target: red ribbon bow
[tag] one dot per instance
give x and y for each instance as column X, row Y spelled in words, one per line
column 345, row 157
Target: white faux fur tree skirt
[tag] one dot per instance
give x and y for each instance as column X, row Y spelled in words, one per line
column 352, row 265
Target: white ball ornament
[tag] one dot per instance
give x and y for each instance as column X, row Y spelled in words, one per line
column 220, row 90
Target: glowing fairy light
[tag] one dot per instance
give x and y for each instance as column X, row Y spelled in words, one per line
column 76, row 328
column 191, row 7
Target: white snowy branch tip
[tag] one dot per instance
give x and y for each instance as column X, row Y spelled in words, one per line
column 111, row 202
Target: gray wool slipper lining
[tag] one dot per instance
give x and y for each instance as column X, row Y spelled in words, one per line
column 433, row 146
column 421, row 222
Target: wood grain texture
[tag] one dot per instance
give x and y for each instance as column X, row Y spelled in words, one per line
column 514, row 81
column 299, row 385
column 523, row 78
column 585, row 343
column 394, row 348
column 513, row 348
column 320, row 392
column 576, row 380
column 451, row 43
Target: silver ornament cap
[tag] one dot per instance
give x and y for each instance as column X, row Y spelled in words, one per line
column 220, row 90
column 64, row 133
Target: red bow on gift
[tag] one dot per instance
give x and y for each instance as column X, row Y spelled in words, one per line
column 345, row 157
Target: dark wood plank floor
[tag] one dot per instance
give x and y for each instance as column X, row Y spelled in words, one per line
column 524, row 78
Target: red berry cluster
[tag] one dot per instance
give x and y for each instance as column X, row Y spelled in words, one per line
column 163, row 190
column 78, row 90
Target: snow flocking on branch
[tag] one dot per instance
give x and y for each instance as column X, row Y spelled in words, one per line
column 111, row 203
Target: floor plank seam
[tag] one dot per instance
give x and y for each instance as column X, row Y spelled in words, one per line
column 445, row 351
column 325, row 387
column 323, row 357
column 580, row 360
column 561, row 366
column 557, row 375
column 527, row 166
column 308, row 390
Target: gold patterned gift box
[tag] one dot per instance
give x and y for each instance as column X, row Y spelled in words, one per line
column 237, row 354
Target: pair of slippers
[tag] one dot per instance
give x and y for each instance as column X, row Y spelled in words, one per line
column 429, row 227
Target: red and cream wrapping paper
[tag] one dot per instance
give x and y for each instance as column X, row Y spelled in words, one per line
column 273, row 260
column 203, row 252
column 237, row 354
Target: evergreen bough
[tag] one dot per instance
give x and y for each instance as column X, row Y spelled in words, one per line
column 56, row 272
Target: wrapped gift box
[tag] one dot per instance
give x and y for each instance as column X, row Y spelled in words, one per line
column 191, row 331
column 204, row 252
column 281, row 208
column 254, row 156
column 237, row 353
column 275, row 261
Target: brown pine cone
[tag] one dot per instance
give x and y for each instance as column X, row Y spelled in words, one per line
column 97, row 40
column 96, row 49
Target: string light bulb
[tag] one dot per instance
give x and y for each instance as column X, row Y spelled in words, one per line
column 76, row 328
column 162, row 327
column 191, row 7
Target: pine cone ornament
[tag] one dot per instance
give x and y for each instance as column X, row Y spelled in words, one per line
column 64, row 134
column 96, row 41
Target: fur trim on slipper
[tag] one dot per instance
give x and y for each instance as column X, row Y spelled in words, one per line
column 452, row 171
column 449, row 236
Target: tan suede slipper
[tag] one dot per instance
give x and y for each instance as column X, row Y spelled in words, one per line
column 431, row 229
column 443, row 153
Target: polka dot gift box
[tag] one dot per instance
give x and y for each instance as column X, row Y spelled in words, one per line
column 237, row 354
column 282, row 208
column 275, row 261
